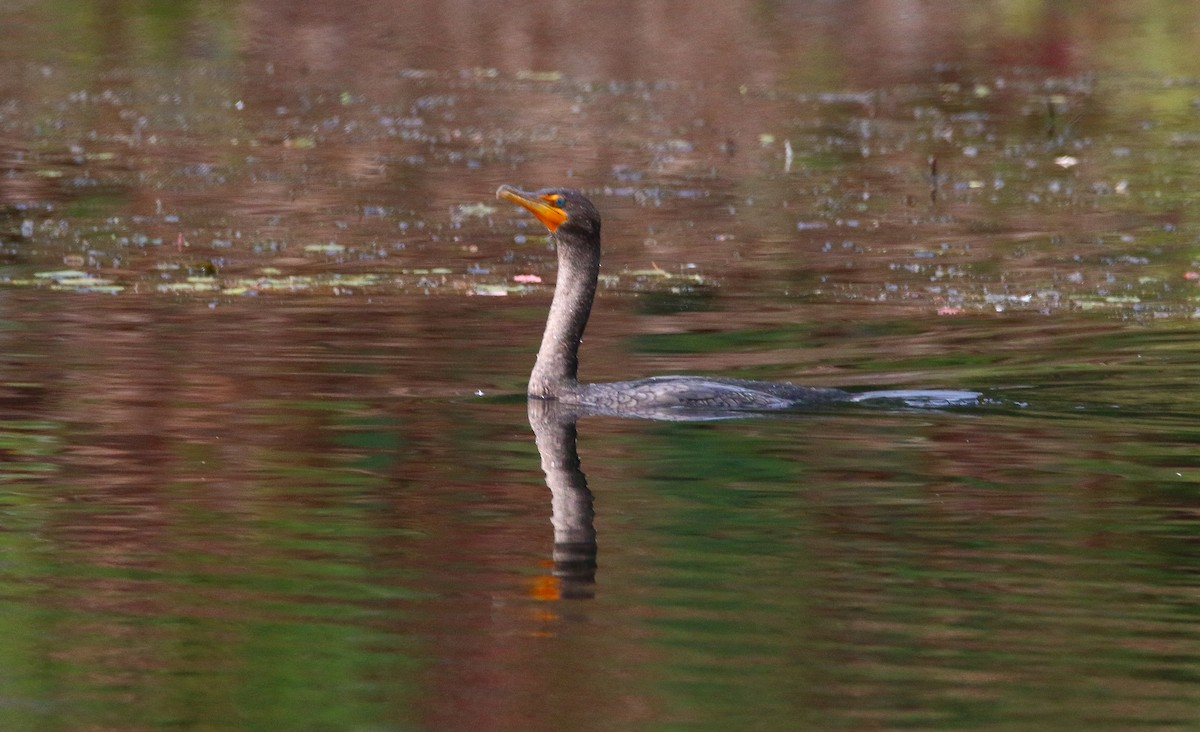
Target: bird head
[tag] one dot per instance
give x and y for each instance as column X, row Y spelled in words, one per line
column 564, row 211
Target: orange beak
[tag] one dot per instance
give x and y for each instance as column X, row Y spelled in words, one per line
column 539, row 206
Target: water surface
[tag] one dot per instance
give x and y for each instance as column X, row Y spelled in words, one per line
column 264, row 336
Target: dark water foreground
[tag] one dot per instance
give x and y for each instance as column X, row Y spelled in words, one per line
column 264, row 458
column 296, row 515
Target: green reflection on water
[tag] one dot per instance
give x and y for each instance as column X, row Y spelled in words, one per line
column 885, row 582
column 254, row 590
column 263, row 538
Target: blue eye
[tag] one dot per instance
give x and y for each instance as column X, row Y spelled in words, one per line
column 556, row 201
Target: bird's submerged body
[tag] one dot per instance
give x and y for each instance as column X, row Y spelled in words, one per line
column 697, row 392
column 574, row 224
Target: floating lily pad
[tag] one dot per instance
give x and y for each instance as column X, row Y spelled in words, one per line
column 195, row 284
column 329, row 248
column 89, row 284
column 489, row 290
column 476, row 210
column 540, row 75
column 73, row 280
column 62, row 274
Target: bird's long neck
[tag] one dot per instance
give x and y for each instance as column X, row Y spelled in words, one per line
column 558, row 359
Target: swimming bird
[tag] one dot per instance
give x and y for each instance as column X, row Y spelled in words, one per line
column 574, row 224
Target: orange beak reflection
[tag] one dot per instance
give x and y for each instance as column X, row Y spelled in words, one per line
column 540, row 206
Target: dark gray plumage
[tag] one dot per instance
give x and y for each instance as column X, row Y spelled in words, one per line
column 574, row 224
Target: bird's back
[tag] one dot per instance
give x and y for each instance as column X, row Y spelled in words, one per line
column 699, row 392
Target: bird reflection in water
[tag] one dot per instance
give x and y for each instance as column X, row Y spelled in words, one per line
column 557, row 398
column 554, row 429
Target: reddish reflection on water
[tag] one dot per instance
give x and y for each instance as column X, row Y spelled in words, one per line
column 254, row 486
column 848, row 151
column 305, row 494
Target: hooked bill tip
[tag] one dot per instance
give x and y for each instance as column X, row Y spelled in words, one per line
column 538, row 204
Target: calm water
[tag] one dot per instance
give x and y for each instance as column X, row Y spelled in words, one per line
column 266, row 462
column 278, row 514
